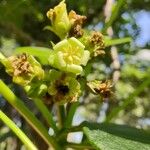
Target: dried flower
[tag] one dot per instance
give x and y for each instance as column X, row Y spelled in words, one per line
column 97, row 39
column 98, row 42
column 102, row 88
column 23, row 68
column 76, row 24
column 94, row 42
column 69, row 55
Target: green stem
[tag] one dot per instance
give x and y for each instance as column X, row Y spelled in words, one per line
column 68, row 122
column 70, row 114
column 17, row 131
column 46, row 113
column 129, row 100
column 60, row 115
column 27, row 114
column 63, row 133
column 117, row 41
column 114, row 14
column 78, row 146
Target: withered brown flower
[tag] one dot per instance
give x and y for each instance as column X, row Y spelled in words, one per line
column 101, row 88
column 76, row 22
column 20, row 64
column 97, row 40
column 23, row 68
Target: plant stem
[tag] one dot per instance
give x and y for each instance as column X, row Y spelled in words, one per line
column 114, row 14
column 78, row 146
column 46, row 113
column 17, row 131
column 63, row 133
column 60, row 115
column 27, row 114
column 70, row 114
column 117, row 41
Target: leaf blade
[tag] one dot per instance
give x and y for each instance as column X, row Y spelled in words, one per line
column 42, row 53
column 103, row 140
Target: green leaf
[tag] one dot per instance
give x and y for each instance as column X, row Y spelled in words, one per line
column 116, row 137
column 111, row 42
column 41, row 53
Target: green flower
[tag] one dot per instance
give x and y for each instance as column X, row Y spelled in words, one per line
column 63, row 88
column 60, row 23
column 23, row 68
column 69, row 55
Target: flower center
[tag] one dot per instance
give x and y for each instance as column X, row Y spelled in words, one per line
column 72, row 55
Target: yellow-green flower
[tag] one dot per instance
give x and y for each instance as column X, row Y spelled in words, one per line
column 63, row 88
column 23, row 68
column 60, row 23
column 69, row 55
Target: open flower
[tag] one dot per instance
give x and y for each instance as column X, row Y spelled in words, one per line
column 69, row 55
column 23, row 68
column 60, row 23
column 63, row 88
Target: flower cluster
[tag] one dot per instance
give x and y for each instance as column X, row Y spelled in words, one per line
column 64, row 24
column 66, row 61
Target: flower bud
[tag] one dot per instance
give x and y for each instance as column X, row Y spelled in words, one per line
column 60, row 23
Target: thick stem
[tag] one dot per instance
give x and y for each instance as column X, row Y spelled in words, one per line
column 27, row 114
column 60, row 115
column 17, row 131
column 46, row 113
